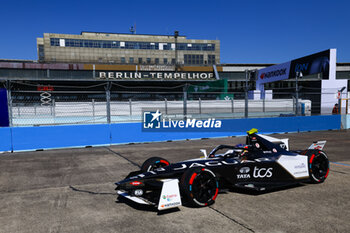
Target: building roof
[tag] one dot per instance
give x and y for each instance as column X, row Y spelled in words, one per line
column 247, row 64
column 130, row 34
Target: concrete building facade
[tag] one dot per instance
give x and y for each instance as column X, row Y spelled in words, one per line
column 117, row 48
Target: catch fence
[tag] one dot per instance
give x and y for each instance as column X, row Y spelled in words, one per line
column 108, row 103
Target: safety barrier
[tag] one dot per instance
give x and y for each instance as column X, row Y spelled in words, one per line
column 48, row 137
column 6, row 139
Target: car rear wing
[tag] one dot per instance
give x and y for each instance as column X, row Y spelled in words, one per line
column 317, row 145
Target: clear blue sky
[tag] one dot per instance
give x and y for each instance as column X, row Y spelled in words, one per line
column 250, row 31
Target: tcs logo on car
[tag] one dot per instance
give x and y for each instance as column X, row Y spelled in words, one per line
column 262, row 172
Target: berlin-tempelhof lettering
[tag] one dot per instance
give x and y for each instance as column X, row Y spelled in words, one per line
column 156, row 75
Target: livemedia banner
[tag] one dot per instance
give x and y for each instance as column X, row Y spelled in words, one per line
column 4, row 114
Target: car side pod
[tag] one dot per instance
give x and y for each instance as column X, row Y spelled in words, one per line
column 170, row 194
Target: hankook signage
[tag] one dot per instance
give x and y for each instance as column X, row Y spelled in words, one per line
column 273, row 73
column 323, row 62
column 156, row 76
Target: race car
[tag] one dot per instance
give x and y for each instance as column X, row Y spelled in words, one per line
column 262, row 163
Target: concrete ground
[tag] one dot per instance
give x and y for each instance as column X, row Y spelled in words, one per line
column 72, row 190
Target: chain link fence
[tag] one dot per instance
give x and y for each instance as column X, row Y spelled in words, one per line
column 108, row 103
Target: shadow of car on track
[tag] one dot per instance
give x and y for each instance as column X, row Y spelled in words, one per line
column 270, row 190
column 149, row 208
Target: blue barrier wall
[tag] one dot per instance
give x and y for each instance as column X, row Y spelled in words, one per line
column 132, row 132
column 5, row 139
column 44, row 137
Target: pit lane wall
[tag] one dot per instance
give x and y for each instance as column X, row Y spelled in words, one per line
column 68, row 136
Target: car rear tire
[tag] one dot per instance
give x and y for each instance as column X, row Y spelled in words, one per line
column 153, row 163
column 200, row 187
column 318, row 166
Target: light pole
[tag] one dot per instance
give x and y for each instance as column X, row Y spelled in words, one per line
column 339, row 100
column 176, row 34
column 247, row 72
column 297, row 75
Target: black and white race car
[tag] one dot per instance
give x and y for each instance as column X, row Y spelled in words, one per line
column 262, row 163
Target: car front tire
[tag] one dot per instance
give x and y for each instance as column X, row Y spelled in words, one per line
column 200, row 186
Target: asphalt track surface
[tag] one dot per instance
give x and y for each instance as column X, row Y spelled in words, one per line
column 72, row 190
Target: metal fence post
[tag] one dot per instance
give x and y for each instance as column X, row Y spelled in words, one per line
column 185, row 101
column 166, row 106
column 293, row 97
column 108, row 102
column 53, row 104
column 130, row 107
column 9, row 102
column 232, row 105
column 264, row 102
column 200, row 105
column 18, row 111
column 10, row 109
column 93, row 108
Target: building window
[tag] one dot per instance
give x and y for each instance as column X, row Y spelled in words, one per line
column 122, row 60
column 55, row 41
column 140, row 60
column 193, row 59
column 167, row 46
column 131, row 45
column 165, row 60
column 211, row 59
column 173, row 61
column 156, row 61
column 115, row 44
column 41, row 53
column 131, row 60
column 148, row 60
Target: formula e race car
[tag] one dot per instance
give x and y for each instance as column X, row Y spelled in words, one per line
column 262, row 163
